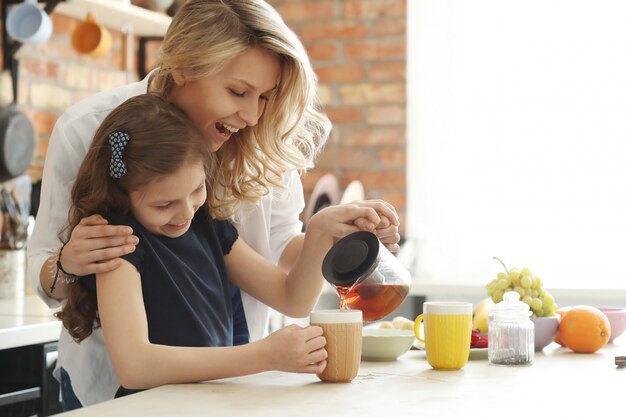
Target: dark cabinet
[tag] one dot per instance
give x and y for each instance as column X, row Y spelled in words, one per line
column 27, row 387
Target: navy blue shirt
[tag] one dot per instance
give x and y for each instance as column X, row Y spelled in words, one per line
column 186, row 292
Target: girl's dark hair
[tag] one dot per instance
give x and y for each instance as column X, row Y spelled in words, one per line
column 162, row 139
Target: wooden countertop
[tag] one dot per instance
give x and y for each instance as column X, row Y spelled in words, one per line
column 559, row 381
column 26, row 321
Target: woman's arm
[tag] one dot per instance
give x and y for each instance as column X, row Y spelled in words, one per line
column 387, row 231
column 124, row 323
column 296, row 292
column 60, row 168
column 92, row 243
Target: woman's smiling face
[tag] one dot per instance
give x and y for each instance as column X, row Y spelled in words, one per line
column 232, row 99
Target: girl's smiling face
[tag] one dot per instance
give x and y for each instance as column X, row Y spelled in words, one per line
column 166, row 205
column 230, row 100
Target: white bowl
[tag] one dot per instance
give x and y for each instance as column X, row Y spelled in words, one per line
column 385, row 344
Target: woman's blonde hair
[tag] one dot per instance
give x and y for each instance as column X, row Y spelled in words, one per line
column 203, row 37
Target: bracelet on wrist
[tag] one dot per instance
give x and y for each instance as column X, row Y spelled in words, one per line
column 60, row 273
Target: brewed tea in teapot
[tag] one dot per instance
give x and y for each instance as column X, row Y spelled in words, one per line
column 366, row 275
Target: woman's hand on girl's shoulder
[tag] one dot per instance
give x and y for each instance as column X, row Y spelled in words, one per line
column 95, row 246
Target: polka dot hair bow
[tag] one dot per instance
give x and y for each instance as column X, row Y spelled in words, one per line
column 118, row 142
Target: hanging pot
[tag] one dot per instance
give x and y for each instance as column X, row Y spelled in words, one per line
column 17, row 143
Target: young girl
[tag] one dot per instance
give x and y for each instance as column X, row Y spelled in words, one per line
column 150, row 169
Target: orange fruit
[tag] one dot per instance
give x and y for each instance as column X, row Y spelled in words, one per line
column 561, row 312
column 584, row 329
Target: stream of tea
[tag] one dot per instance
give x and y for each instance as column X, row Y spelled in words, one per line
column 374, row 300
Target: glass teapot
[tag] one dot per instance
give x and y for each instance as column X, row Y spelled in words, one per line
column 366, row 275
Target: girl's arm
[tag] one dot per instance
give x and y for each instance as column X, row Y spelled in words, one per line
column 295, row 293
column 140, row 364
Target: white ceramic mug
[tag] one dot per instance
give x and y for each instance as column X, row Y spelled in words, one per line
column 27, row 23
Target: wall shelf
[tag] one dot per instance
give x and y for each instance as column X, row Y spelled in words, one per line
column 115, row 15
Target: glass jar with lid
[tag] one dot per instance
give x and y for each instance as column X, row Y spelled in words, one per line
column 511, row 340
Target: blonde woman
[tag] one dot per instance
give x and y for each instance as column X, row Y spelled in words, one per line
column 245, row 81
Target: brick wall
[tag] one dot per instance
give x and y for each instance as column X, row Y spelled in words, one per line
column 357, row 48
column 52, row 76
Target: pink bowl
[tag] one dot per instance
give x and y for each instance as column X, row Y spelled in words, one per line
column 617, row 319
column 546, row 329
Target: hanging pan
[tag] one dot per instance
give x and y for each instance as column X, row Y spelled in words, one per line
column 17, row 143
column 17, row 139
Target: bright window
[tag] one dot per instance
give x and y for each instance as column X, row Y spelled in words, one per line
column 517, row 139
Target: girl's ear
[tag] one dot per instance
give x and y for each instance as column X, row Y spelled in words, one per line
column 179, row 78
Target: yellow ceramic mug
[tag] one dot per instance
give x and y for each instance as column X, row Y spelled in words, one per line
column 447, row 333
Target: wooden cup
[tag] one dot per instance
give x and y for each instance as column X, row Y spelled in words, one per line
column 342, row 330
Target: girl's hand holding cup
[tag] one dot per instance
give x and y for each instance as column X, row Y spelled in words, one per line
column 295, row 349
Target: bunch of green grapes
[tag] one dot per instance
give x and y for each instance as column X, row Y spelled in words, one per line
column 529, row 288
